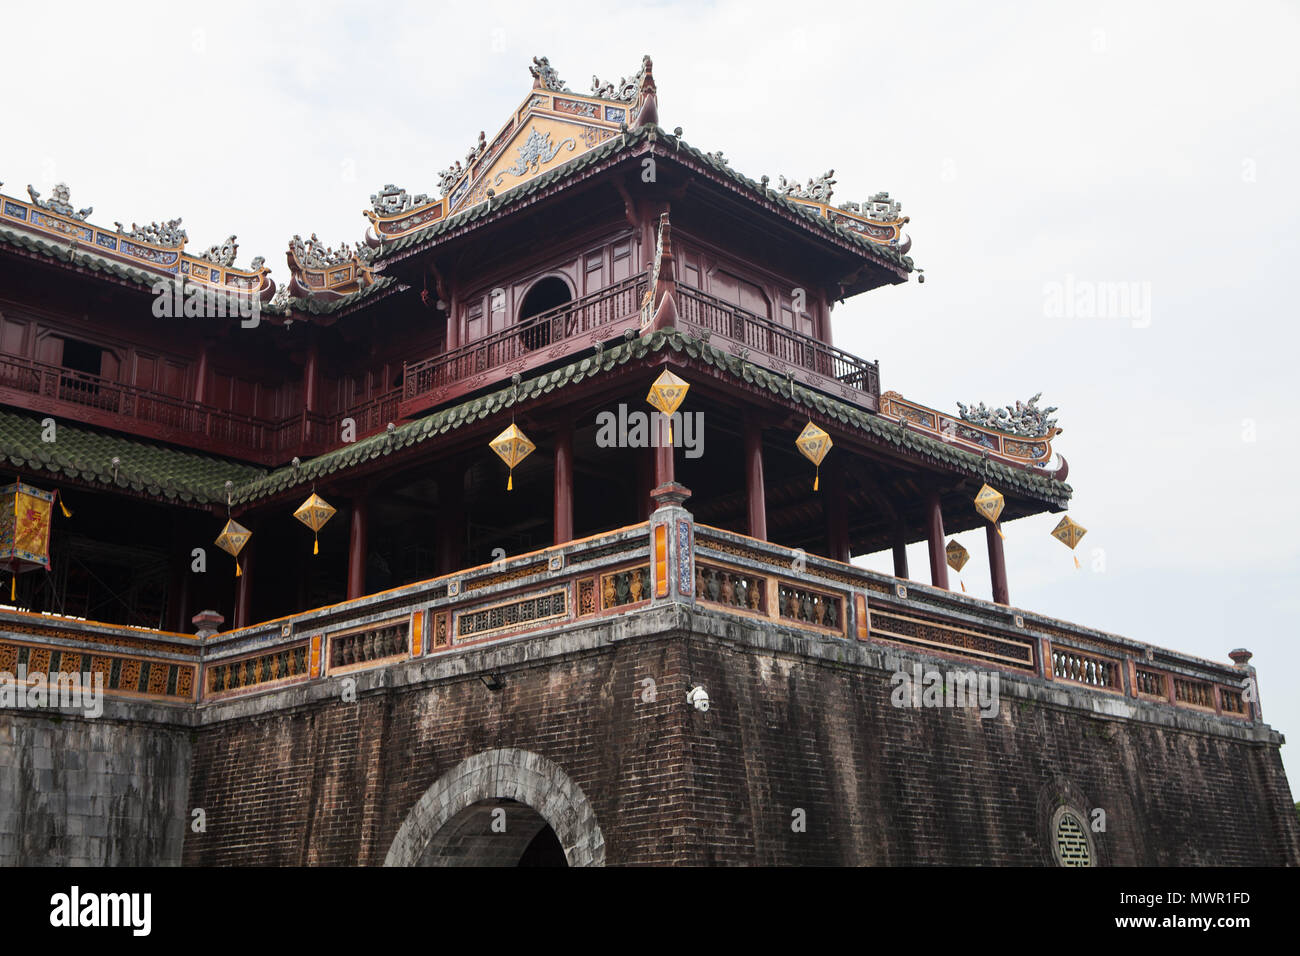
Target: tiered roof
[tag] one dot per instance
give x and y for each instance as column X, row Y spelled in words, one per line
column 553, row 135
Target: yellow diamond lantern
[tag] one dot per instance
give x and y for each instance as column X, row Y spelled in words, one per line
column 989, row 503
column 512, row 446
column 1069, row 532
column 232, row 539
column 814, row 444
column 314, row 512
column 957, row 555
column 667, row 394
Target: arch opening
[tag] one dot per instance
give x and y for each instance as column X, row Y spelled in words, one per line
column 499, row 832
column 504, row 807
column 547, row 294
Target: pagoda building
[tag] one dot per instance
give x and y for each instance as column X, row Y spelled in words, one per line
column 573, row 256
column 538, row 503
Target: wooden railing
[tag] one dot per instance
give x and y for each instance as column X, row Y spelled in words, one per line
column 534, row 342
column 95, row 400
column 771, row 344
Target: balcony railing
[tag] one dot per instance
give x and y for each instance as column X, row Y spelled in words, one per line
column 553, row 334
column 613, row 574
column 90, row 398
column 538, row 340
column 770, row 344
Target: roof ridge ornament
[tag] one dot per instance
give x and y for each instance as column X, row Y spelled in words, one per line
column 626, row 90
column 546, row 77
column 392, row 200
column 168, row 234
column 879, row 208
column 817, row 190
column 222, row 254
column 1025, row 419
column 60, row 201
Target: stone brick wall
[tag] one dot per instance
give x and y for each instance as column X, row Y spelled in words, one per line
column 882, row 785
column 330, row 783
column 104, row 792
column 301, row 777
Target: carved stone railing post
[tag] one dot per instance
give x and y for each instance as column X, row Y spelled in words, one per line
column 1241, row 657
column 672, row 546
column 208, row 623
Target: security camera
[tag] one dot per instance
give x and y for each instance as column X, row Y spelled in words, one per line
column 699, row 699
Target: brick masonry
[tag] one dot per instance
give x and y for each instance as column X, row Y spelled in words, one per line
column 627, row 770
column 795, row 724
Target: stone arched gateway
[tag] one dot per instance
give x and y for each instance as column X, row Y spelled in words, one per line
column 450, row 824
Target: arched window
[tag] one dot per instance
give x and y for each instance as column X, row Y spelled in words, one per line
column 548, row 294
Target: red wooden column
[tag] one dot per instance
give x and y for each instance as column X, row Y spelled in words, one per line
column 663, row 450
column 997, row 565
column 934, row 531
column 357, row 548
column 835, row 508
column 900, row 551
column 564, row 483
column 244, row 585
column 755, row 492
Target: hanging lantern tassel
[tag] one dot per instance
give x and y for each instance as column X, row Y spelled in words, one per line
column 667, row 394
column 1070, row 533
column 512, row 446
column 314, row 512
column 62, row 506
column 232, row 539
column 989, row 503
column 813, row 444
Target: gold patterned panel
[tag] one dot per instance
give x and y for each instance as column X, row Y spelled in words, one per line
column 158, row 679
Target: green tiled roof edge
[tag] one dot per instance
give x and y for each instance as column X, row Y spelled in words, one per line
column 82, row 256
column 84, row 455
column 1005, row 477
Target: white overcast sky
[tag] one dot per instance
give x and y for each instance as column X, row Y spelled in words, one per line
column 1147, row 143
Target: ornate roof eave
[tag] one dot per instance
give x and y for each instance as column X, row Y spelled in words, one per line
column 131, row 250
column 323, row 274
column 1029, row 483
column 804, row 212
column 394, row 214
column 297, row 308
column 1026, row 450
column 628, row 147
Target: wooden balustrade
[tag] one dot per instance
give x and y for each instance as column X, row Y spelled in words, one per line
column 766, row 341
column 79, row 396
column 542, row 338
